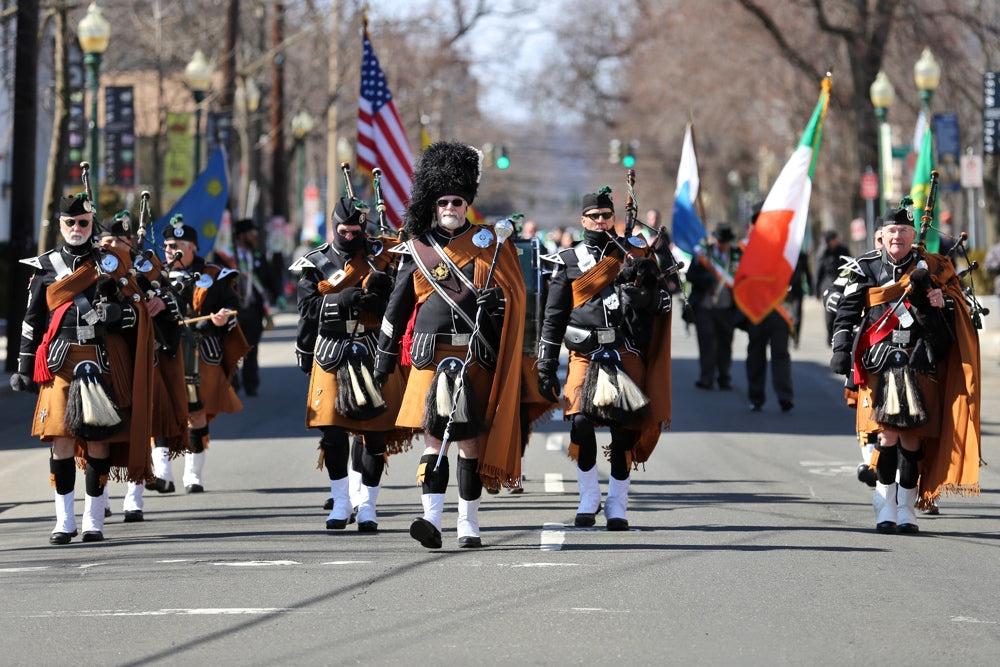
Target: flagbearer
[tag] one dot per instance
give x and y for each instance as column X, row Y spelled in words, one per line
column 456, row 315
column 79, row 295
column 711, row 277
column 915, row 359
column 609, row 304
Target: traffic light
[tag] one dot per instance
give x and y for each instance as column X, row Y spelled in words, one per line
column 502, row 160
column 629, row 160
column 614, row 151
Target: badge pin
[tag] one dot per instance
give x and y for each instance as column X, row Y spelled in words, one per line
column 205, row 281
column 178, row 232
column 611, row 302
column 440, row 272
column 483, row 238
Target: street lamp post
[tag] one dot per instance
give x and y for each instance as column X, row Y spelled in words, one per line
column 927, row 75
column 94, row 32
column 302, row 125
column 199, row 77
column 882, row 95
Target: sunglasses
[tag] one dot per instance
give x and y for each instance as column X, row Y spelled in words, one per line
column 457, row 203
column 607, row 215
column 73, row 222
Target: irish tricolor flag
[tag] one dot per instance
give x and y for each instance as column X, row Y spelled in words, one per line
column 772, row 251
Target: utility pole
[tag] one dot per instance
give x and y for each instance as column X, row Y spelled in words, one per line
column 228, row 96
column 279, row 171
column 23, row 154
column 333, row 94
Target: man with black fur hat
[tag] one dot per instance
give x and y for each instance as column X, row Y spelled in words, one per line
column 915, row 360
column 79, row 297
column 711, row 277
column 441, row 305
column 342, row 296
column 257, row 289
column 207, row 298
column 608, row 303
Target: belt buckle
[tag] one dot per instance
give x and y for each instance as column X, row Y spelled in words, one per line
column 605, row 336
column 461, row 340
column 91, row 317
column 901, row 337
column 85, row 332
column 350, row 324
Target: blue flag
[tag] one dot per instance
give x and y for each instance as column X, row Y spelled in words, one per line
column 203, row 204
column 689, row 232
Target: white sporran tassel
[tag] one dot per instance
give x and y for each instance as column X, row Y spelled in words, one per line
column 632, row 398
column 359, row 395
column 443, row 397
column 605, row 391
column 370, row 387
column 911, row 396
column 892, row 406
column 461, row 405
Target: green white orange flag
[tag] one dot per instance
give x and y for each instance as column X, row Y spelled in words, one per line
column 772, row 251
column 922, row 186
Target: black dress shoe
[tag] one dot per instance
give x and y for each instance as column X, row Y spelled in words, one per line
column 886, row 528
column 907, row 528
column 92, row 536
column 586, row 519
column 328, row 505
column 515, row 490
column 786, row 406
column 492, row 492
column 756, row 407
column 336, row 524
column 703, row 385
column 426, row 533
column 725, row 386
column 161, row 486
column 62, row 538
column 133, row 516
column 107, row 512
column 469, row 542
column 617, row 524
column 251, row 392
column 867, row 475
column 367, row 527
column 194, row 488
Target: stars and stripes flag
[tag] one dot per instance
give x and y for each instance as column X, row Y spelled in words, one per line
column 382, row 139
column 772, row 251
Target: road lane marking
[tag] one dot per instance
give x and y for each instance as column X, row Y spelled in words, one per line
column 209, row 611
column 553, row 536
column 258, row 563
column 345, row 562
column 554, row 482
column 24, row 569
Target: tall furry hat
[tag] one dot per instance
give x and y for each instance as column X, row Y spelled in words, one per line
column 445, row 168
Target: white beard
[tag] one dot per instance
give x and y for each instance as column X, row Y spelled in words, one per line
column 451, row 222
column 74, row 237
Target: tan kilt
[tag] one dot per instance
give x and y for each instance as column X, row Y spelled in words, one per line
column 932, row 399
column 216, row 392
column 50, row 410
column 418, row 386
column 322, row 407
column 576, row 373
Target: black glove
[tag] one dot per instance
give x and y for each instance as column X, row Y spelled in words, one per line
column 347, row 299
column 373, row 303
column 379, row 378
column 635, row 299
column 490, row 300
column 379, row 283
column 304, row 361
column 840, row 363
column 23, row 382
column 643, row 271
column 548, row 381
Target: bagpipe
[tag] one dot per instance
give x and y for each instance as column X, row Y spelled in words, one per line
column 358, row 395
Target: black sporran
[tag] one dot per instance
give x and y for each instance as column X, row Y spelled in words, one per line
column 358, row 397
column 609, row 395
column 898, row 401
column 451, row 397
column 91, row 412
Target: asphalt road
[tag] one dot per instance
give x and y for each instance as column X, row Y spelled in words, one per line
column 752, row 543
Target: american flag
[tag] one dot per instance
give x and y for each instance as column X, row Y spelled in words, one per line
column 382, row 140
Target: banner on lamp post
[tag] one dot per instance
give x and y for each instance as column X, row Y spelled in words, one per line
column 177, row 161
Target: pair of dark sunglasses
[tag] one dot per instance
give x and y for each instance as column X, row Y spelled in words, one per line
column 454, row 202
column 72, row 222
column 607, row 215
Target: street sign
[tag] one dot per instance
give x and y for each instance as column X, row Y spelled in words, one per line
column 869, row 186
column 972, row 171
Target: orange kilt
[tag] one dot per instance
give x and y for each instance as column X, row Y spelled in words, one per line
column 932, row 399
column 576, row 373
column 50, row 410
column 215, row 391
column 418, row 386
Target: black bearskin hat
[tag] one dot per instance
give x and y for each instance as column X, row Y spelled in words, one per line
column 445, row 168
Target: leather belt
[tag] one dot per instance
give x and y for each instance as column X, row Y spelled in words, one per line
column 82, row 334
column 458, row 339
column 345, row 327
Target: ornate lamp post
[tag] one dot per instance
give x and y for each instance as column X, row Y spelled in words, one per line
column 94, row 32
column 882, row 96
column 199, row 78
column 927, row 75
column 302, row 125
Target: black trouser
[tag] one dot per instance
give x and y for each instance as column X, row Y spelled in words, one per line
column 715, row 343
column 251, row 319
column 771, row 332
